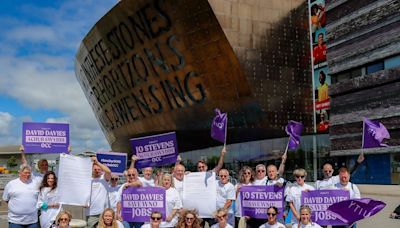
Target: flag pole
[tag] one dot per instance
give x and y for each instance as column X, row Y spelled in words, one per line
column 226, row 130
column 287, row 146
column 363, row 132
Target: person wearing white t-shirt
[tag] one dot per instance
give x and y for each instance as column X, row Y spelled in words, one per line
column 305, row 219
column 246, row 178
column 295, row 191
column 99, row 192
column 108, row 219
column 49, row 200
column 329, row 181
column 43, row 166
column 221, row 215
column 172, row 200
column 113, row 191
column 179, row 173
column 226, row 194
column 262, row 178
column 272, row 213
column 21, row 196
column 147, row 179
column 155, row 220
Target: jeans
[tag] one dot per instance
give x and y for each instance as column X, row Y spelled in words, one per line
column 13, row 225
column 132, row 224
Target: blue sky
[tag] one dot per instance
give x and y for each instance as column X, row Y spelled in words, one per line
column 38, row 42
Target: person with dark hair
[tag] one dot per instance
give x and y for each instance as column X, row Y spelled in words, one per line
column 189, row 219
column 272, row 213
column 155, row 220
column 323, row 88
column 305, row 219
column 48, row 200
column 319, row 51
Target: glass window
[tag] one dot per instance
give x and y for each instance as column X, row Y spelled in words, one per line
column 392, row 62
column 372, row 68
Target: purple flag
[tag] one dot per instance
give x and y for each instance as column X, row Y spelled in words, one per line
column 219, row 126
column 373, row 134
column 320, row 200
column 138, row 203
column 293, row 129
column 350, row 211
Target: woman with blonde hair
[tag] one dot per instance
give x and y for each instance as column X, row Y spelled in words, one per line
column 305, row 219
column 246, row 177
column 63, row 219
column 172, row 201
column 108, row 220
column 221, row 215
column 189, row 219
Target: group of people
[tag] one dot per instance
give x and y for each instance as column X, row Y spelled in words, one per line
column 34, row 195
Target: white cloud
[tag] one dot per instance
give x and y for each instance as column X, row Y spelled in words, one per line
column 5, row 122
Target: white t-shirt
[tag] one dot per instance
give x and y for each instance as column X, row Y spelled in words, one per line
column 261, row 181
column 294, row 195
column 22, row 198
column 276, row 225
column 280, row 180
column 37, row 177
column 327, row 183
column 98, row 197
column 172, row 201
column 354, row 191
column 113, row 196
column 179, row 187
column 147, row 183
column 147, row 225
column 225, row 192
column 120, row 225
column 310, row 225
column 238, row 205
column 216, row 225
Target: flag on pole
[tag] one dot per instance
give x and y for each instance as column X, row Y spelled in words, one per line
column 350, row 211
column 293, row 129
column 219, row 126
column 374, row 133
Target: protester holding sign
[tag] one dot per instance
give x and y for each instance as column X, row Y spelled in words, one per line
column 48, row 202
column 202, row 165
column 99, row 194
column 225, row 195
column 305, row 219
column 173, row 202
column 147, row 179
column 246, row 177
column 108, row 219
column 272, row 213
column 21, row 196
column 43, row 166
column 261, row 177
column 295, row 191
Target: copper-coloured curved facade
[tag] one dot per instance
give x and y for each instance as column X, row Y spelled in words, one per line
column 151, row 66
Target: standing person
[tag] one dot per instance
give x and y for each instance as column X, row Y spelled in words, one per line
column 221, row 215
column 48, row 201
column 131, row 181
column 147, row 179
column 295, row 191
column 272, row 213
column 329, row 181
column 262, row 178
column 246, row 178
column 113, row 191
column 155, row 220
column 43, row 166
column 305, row 219
column 21, row 196
column 345, row 184
column 179, row 173
column 172, row 200
column 189, row 219
column 202, row 165
column 99, row 193
column 226, row 193
column 63, row 220
column 108, row 220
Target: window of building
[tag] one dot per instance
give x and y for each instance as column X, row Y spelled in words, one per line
column 392, row 62
column 375, row 67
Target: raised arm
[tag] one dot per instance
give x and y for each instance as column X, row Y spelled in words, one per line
column 106, row 170
column 220, row 161
column 134, row 158
column 360, row 159
column 23, row 157
column 281, row 169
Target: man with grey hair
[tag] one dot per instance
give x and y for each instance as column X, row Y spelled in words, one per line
column 21, row 196
column 262, row 178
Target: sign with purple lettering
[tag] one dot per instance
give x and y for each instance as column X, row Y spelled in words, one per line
column 319, row 201
column 45, row 137
column 113, row 160
column 138, row 203
column 155, row 150
column 255, row 200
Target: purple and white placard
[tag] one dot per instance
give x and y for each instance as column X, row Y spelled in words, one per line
column 255, row 200
column 45, row 137
column 138, row 203
column 113, row 160
column 319, row 201
column 155, row 150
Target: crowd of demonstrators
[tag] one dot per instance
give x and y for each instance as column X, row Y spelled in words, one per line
column 37, row 192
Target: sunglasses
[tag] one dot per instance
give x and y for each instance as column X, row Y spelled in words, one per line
column 328, row 171
column 222, row 216
column 248, row 173
column 114, row 179
column 155, row 218
column 271, row 214
column 62, row 219
column 302, row 177
column 131, row 175
column 260, row 171
column 222, row 175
